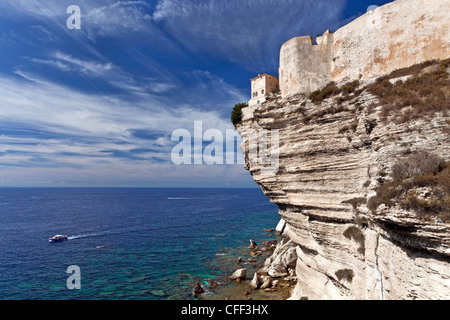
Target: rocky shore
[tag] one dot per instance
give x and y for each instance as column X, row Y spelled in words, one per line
column 260, row 271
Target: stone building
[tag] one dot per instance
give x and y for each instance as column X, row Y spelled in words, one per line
column 394, row 36
column 262, row 85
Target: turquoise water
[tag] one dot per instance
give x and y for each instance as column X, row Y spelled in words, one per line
column 128, row 243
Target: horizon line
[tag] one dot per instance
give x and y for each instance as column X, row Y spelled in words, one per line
column 85, row 187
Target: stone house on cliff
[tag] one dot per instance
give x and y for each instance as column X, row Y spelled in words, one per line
column 262, row 85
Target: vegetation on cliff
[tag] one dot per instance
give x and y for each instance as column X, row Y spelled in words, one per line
column 420, row 183
column 345, row 274
column 331, row 89
column 404, row 95
column 414, row 92
column 236, row 114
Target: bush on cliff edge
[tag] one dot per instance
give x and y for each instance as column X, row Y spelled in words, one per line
column 236, row 114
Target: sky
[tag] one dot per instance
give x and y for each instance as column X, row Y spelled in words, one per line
column 96, row 106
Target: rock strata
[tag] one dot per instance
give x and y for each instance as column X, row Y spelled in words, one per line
column 335, row 246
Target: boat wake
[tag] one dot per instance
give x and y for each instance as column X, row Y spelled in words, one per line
column 89, row 235
column 181, row 198
column 130, row 229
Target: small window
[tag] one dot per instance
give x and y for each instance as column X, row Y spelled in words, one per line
column 258, row 102
column 262, row 91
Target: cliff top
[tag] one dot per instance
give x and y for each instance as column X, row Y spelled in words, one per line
column 397, row 35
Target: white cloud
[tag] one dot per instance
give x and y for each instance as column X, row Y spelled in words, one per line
column 50, row 8
column 161, row 87
column 46, row 105
column 143, row 88
column 85, row 66
column 248, row 32
column 43, row 34
column 88, row 134
column 118, row 18
column 214, row 92
column 98, row 18
column 53, row 63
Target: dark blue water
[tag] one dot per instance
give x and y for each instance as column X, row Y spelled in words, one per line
column 128, row 243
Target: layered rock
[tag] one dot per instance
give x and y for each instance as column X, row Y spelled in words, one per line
column 328, row 159
column 338, row 248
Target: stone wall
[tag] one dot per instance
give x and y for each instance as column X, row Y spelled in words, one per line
column 304, row 67
column 393, row 36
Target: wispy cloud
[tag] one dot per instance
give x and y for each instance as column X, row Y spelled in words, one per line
column 85, row 66
column 53, row 63
column 106, row 72
column 118, row 18
column 43, row 34
column 214, row 90
column 247, row 32
column 98, row 105
column 67, row 111
column 99, row 18
column 70, row 136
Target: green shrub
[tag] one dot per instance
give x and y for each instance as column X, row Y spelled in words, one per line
column 324, row 111
column 418, row 170
column 346, row 274
column 412, row 202
column 357, row 235
column 418, row 163
column 331, row 89
column 236, row 114
column 425, row 92
column 276, row 89
column 356, row 201
column 350, row 87
column 314, row 95
column 386, row 193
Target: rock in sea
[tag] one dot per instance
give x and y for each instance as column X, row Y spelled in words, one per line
column 198, row 289
column 256, row 281
column 239, row 275
column 253, row 244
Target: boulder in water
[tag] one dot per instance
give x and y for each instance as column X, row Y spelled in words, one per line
column 239, row 275
column 198, row 289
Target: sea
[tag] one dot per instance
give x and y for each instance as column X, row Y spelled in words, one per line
column 126, row 244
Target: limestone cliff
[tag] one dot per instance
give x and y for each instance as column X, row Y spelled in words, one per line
column 334, row 155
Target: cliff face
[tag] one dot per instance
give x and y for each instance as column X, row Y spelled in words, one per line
column 343, row 250
column 335, row 154
column 393, row 36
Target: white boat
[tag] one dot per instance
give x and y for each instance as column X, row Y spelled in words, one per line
column 58, row 238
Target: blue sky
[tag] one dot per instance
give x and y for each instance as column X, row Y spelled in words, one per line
column 97, row 106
